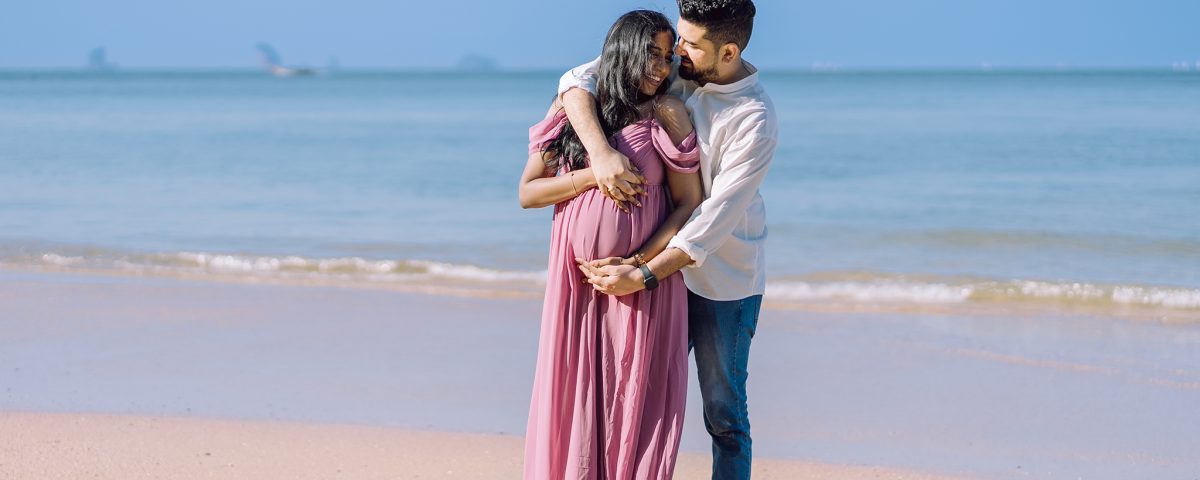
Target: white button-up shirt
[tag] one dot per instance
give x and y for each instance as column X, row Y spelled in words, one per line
column 737, row 130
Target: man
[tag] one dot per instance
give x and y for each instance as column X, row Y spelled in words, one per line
column 720, row 249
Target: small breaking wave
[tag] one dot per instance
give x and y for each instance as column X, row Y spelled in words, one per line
column 880, row 291
column 345, row 266
column 898, row 289
column 428, row 275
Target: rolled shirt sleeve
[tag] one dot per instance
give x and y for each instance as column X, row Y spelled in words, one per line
column 743, row 166
column 583, row 76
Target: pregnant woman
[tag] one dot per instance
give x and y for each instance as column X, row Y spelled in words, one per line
column 611, row 377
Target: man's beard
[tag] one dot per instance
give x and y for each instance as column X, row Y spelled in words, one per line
column 688, row 71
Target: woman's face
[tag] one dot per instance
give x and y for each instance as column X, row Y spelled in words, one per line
column 660, row 63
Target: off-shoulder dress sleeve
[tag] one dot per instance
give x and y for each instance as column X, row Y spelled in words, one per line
column 682, row 158
column 545, row 131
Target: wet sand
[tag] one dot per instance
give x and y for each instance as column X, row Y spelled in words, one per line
column 983, row 396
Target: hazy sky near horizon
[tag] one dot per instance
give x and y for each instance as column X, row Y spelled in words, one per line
column 549, row 34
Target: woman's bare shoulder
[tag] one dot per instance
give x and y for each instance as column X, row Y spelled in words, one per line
column 672, row 114
column 668, row 107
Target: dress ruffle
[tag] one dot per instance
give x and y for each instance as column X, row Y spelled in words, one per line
column 545, row 131
column 684, row 158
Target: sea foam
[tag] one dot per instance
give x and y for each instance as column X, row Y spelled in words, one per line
column 892, row 289
column 869, row 288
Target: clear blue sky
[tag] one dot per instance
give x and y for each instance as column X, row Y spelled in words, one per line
column 553, row 34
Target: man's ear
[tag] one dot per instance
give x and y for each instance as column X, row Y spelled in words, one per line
column 730, row 52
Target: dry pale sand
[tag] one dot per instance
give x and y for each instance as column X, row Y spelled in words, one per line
column 69, row 446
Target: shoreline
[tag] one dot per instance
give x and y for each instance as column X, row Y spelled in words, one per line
column 527, row 290
column 69, row 446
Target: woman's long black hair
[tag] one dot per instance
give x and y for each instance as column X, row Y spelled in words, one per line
column 623, row 65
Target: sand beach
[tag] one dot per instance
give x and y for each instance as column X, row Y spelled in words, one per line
column 136, row 377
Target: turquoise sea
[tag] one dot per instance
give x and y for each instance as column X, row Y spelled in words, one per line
column 1038, row 188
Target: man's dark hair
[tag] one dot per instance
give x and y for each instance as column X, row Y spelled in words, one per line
column 726, row 21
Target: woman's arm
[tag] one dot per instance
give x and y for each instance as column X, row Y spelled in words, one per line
column 540, row 187
column 686, row 196
column 686, row 190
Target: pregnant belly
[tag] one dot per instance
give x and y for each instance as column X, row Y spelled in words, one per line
column 596, row 228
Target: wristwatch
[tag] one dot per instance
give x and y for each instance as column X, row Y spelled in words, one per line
column 648, row 278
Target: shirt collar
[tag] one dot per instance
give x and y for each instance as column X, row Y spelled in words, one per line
column 750, row 81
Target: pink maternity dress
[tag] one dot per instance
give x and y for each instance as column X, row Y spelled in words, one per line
column 611, row 378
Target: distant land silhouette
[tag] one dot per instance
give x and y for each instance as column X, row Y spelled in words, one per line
column 98, row 60
column 476, row 63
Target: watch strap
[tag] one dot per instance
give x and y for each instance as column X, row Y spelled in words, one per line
column 648, row 278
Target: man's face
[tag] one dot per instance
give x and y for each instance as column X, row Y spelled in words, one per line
column 697, row 55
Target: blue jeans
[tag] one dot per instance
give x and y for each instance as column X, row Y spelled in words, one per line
column 719, row 332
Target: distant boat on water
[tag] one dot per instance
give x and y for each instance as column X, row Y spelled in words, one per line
column 271, row 62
